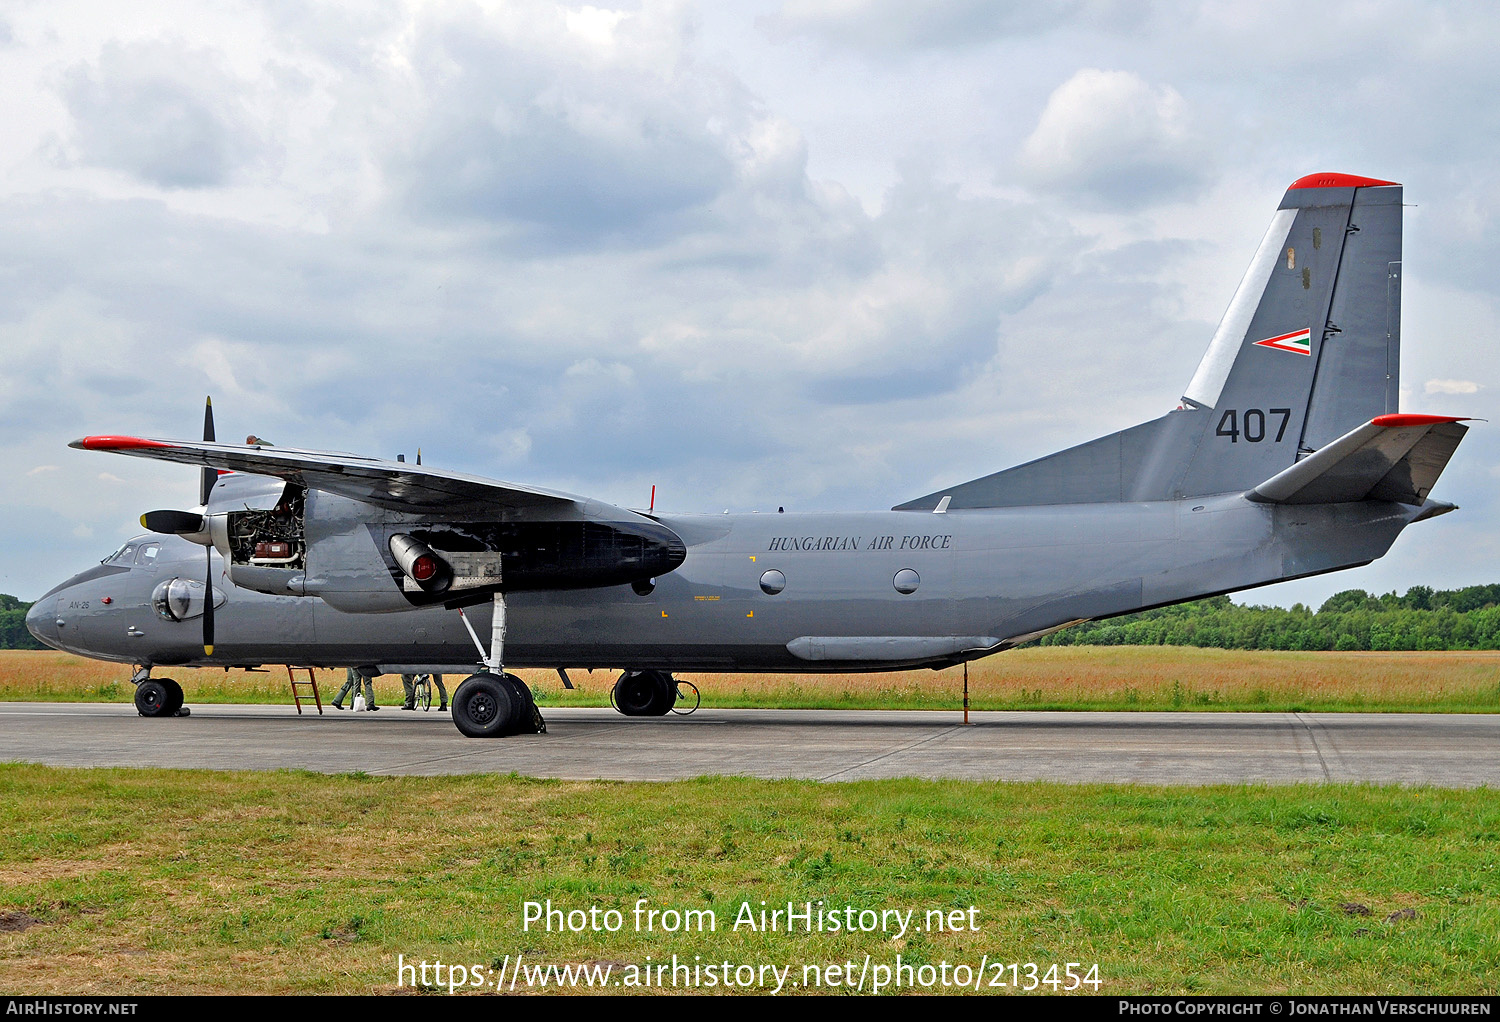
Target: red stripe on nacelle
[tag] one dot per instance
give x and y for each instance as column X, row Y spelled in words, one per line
column 1398, row 421
column 1338, row 181
column 117, row 443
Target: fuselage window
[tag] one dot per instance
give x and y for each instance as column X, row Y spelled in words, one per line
column 906, row 581
column 148, row 553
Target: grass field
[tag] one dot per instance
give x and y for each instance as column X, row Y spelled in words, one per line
column 1055, row 677
column 137, row 881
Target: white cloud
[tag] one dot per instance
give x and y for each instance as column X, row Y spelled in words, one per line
column 166, row 113
column 1112, row 137
column 594, row 24
column 615, row 372
column 889, row 25
column 1451, row 387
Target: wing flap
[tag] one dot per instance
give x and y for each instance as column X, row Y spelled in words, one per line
column 1391, row 457
column 394, row 485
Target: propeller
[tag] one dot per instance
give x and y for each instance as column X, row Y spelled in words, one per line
column 209, row 476
column 195, row 527
column 205, row 485
column 173, row 523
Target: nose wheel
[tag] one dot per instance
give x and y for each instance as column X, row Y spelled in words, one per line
column 159, row 697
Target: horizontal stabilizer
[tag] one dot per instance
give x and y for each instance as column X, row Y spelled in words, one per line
column 1391, row 457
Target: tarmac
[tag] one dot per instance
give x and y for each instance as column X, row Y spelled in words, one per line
column 1440, row 750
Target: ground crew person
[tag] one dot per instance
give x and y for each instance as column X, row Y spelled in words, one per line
column 351, row 685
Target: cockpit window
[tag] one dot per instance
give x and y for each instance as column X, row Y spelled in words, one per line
column 148, row 552
column 124, row 555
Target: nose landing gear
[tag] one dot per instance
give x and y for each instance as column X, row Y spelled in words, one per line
column 157, row 697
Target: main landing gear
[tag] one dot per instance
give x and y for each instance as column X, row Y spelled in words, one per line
column 653, row 694
column 492, row 703
column 157, row 697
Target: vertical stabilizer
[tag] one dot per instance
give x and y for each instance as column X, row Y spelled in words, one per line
column 1310, row 346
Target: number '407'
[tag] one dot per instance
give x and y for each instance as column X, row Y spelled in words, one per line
column 1251, row 426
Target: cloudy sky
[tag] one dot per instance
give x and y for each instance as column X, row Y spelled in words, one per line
column 828, row 255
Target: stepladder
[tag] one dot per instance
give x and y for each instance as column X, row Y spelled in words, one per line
column 299, row 687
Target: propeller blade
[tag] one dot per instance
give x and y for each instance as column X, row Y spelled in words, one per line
column 209, row 476
column 208, row 606
column 173, row 523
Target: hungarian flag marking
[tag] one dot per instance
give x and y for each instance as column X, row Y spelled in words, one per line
column 1299, row 342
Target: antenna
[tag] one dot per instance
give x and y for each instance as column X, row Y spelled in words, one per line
column 653, row 498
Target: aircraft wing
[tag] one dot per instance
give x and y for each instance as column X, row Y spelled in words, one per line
column 1391, row 457
column 394, row 485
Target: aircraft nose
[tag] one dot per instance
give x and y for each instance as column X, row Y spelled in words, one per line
column 42, row 622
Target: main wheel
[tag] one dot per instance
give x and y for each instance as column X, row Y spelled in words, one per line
column 174, row 696
column 151, row 699
column 644, row 693
column 528, row 717
column 485, row 707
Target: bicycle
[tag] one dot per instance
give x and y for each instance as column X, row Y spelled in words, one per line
column 421, row 692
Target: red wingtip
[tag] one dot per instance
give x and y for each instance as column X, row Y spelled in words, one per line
column 1397, row 421
column 116, row 443
column 1338, row 181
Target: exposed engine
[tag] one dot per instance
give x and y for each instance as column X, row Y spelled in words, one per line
column 275, row 539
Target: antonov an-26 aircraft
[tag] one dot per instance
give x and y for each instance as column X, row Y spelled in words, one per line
column 1286, row 457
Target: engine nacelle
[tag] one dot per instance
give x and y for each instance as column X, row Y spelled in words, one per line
column 287, row 541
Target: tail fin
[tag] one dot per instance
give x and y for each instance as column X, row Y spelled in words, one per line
column 1313, row 349
column 1308, row 350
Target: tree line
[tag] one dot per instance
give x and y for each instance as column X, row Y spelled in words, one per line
column 13, row 633
column 1421, row 618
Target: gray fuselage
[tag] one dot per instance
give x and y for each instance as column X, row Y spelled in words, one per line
column 986, row 580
